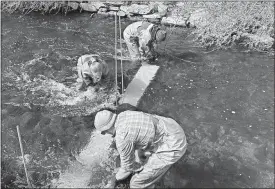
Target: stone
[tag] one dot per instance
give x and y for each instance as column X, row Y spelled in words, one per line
column 98, row 5
column 88, row 7
column 137, row 9
column 112, row 8
column 198, row 18
column 159, row 7
column 110, row 13
column 136, row 18
column 102, row 9
column 121, row 13
column 173, row 20
column 152, row 16
column 73, row 5
column 162, row 9
column 114, row 3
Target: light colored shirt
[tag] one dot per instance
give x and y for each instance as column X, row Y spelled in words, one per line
column 85, row 72
column 142, row 30
column 134, row 130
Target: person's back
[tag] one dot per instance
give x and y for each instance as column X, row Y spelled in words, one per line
column 136, row 127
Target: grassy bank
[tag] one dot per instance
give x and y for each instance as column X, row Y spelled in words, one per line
column 246, row 24
column 27, row 7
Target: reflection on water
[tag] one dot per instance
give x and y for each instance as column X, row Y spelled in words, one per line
column 223, row 100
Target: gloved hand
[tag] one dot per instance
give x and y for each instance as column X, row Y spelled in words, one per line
column 122, row 174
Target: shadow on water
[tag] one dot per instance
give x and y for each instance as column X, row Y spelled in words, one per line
column 223, row 100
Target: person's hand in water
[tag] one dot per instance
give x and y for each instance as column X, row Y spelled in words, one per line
column 81, row 86
column 111, row 183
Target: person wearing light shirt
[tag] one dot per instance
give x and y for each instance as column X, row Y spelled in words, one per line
column 160, row 138
column 141, row 38
column 91, row 69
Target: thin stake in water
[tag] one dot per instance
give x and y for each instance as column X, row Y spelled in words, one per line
column 116, row 53
column 22, row 152
column 121, row 64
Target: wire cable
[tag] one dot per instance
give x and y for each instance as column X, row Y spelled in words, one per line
column 121, row 64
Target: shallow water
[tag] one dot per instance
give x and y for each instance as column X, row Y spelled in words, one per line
column 223, row 100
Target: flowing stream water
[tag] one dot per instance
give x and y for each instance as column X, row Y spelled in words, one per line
column 224, row 101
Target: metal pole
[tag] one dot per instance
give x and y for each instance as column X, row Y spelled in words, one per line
column 116, row 52
column 22, row 152
column 121, row 64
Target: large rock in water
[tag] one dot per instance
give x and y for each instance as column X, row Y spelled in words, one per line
column 137, row 9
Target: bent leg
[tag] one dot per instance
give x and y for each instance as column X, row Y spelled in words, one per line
column 153, row 170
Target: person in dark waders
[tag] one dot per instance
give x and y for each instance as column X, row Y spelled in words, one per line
column 141, row 39
column 91, row 69
column 159, row 138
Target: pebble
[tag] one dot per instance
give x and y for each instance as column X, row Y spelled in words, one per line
column 233, row 112
column 226, row 118
column 216, row 87
column 265, row 109
column 263, row 91
column 250, row 126
column 191, row 79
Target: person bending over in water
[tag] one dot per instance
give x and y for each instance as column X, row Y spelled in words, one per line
column 91, row 69
column 141, row 39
